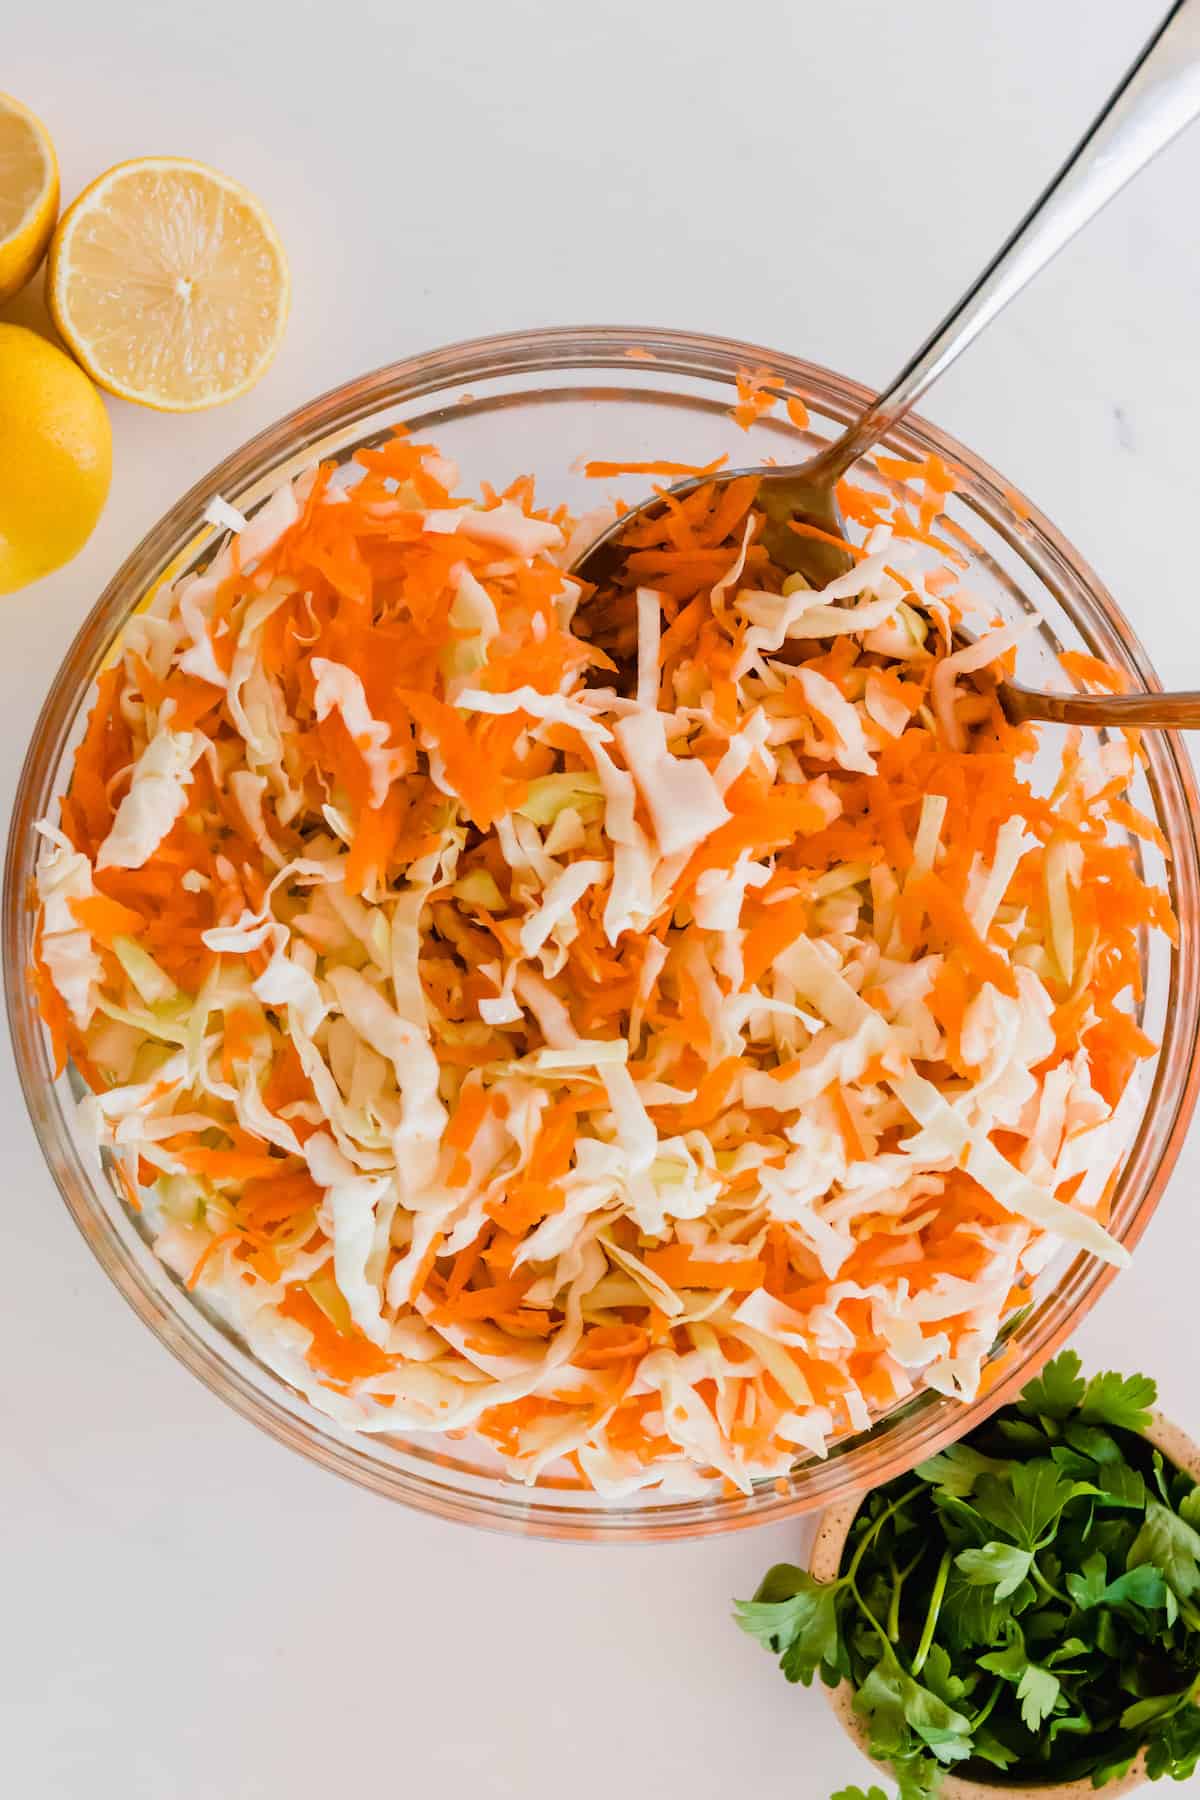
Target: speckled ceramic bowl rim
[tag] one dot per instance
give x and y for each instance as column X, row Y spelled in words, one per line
column 825, row 1561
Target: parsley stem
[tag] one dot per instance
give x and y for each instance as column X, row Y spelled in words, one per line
column 899, row 1577
column 935, row 1607
column 893, row 1611
column 1047, row 1587
column 870, row 1536
column 873, row 1622
column 986, row 1708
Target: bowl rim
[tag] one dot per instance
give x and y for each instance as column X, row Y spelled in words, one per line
column 1028, row 533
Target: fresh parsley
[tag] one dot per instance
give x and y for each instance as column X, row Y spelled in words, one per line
column 1172, row 1545
column 795, row 1617
column 1002, row 1566
column 1123, row 1400
column 958, row 1468
column 1038, row 1692
column 1026, row 1502
column 1026, row 1604
column 1057, row 1392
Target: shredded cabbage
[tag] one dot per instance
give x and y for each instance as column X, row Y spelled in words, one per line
column 639, row 1028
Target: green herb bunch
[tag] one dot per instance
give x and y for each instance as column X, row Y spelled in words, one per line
column 1024, row 1606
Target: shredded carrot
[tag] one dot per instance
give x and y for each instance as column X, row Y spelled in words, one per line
column 803, row 529
column 487, row 1302
column 680, row 1267
column 605, row 1344
column 754, row 399
column 601, row 470
column 580, row 993
column 1093, row 672
column 210, row 1250
column 1138, row 823
column 225, row 1165
column 106, row 919
column 343, row 1357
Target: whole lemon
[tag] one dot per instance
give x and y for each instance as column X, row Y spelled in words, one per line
column 55, row 457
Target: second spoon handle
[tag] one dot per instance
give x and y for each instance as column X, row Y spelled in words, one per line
column 1179, row 711
column 1156, row 99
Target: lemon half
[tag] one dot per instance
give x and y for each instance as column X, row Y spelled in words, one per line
column 168, row 282
column 28, row 194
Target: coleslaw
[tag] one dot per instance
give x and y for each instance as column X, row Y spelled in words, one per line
column 653, row 1030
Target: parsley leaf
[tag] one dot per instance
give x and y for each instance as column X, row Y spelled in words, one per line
column 917, row 1777
column 1173, row 1545
column 940, row 1678
column 1158, row 1706
column 1077, row 1724
column 1143, row 1586
column 956, row 1470
column 1114, row 1536
column 795, row 1616
column 1049, row 1622
column 894, row 1703
column 1023, row 1435
column 1057, row 1391
column 1175, row 1750
column 1037, row 1691
column 1112, row 1768
column 1189, row 1509
column 1037, row 1687
column 1027, row 1505
column 857, row 1793
column 1079, row 1468
column 880, row 1702
column 971, row 1615
column 1121, row 1485
column 1140, row 1586
column 1010, row 1663
column 1087, row 1587
column 1001, row 1566
column 990, row 1749
column 1123, row 1400
column 959, row 1520
column 1067, row 1651
column 1090, row 1441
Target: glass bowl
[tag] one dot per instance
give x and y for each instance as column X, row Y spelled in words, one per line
column 543, row 402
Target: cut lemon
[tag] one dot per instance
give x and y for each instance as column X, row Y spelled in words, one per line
column 169, row 284
column 28, row 194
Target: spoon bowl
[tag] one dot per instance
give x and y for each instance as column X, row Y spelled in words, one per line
column 797, row 496
column 793, row 497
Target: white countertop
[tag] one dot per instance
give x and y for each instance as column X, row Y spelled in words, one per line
column 191, row 1612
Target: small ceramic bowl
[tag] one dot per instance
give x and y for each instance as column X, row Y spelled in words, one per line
column 825, row 1563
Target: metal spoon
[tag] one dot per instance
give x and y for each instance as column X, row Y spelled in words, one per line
column 1157, row 98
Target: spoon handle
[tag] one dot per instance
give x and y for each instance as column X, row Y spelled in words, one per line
column 1171, row 712
column 1156, row 99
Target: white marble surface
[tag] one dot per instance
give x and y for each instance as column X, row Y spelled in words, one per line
column 191, row 1613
